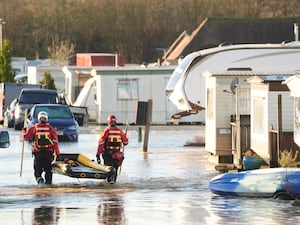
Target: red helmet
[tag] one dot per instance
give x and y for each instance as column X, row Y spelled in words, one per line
column 112, row 119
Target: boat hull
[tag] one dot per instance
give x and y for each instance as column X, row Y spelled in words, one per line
column 257, row 183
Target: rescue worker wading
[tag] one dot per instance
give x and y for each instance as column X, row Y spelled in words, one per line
column 45, row 144
column 110, row 144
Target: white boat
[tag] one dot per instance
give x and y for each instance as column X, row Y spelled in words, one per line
column 186, row 86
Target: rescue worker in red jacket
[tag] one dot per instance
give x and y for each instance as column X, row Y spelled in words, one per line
column 45, row 144
column 110, row 145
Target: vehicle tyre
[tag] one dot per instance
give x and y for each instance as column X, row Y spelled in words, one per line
column 10, row 123
column 18, row 126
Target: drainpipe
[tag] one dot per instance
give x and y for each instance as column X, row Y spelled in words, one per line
column 238, row 127
column 116, row 59
column 296, row 31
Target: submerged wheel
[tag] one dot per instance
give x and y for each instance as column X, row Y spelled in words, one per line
column 283, row 195
column 18, row 126
column 10, row 124
column 76, row 138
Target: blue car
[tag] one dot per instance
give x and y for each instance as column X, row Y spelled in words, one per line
column 60, row 117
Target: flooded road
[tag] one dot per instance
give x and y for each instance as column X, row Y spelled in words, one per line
column 166, row 185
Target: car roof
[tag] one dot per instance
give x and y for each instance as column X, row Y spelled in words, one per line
column 36, row 107
column 51, row 105
column 38, row 90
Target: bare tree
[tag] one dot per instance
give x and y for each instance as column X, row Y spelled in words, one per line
column 61, row 49
column 133, row 28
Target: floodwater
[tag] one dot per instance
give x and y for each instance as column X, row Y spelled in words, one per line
column 168, row 185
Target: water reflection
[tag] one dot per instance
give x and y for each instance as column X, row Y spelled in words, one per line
column 45, row 215
column 111, row 211
column 242, row 210
column 167, row 185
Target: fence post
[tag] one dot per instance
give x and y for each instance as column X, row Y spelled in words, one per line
column 148, row 123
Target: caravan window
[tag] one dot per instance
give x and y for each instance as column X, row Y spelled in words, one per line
column 127, row 89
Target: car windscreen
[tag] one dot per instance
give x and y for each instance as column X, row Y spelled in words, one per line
column 57, row 112
column 38, row 98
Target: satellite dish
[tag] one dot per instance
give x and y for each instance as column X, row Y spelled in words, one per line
column 234, row 84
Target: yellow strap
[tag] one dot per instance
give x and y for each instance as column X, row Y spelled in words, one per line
column 52, row 143
column 46, row 137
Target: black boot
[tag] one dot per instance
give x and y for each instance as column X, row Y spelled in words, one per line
column 40, row 181
column 111, row 178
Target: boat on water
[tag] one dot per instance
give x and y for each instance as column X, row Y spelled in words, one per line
column 80, row 166
column 280, row 183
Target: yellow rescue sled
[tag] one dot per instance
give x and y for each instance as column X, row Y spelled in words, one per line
column 80, row 166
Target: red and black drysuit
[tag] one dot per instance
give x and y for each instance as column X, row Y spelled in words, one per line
column 45, row 143
column 110, row 145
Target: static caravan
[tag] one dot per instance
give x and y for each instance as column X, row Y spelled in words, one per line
column 223, row 103
column 36, row 70
column 293, row 84
column 107, row 90
column 241, row 107
column 271, row 116
column 119, row 89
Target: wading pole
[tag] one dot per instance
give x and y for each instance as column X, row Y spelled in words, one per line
column 123, row 149
column 24, row 126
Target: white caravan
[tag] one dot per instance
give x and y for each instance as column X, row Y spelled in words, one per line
column 186, row 86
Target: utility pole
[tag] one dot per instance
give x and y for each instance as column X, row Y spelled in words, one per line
column 2, row 22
